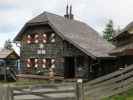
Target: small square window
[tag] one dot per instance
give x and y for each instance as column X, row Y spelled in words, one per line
column 44, row 41
column 53, row 35
column 39, row 51
column 29, row 39
column 43, row 66
column 53, row 66
column 53, row 40
column 41, row 46
column 43, row 51
column 36, row 38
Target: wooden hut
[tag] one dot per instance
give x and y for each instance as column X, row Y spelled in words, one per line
column 70, row 47
column 8, row 63
column 124, row 45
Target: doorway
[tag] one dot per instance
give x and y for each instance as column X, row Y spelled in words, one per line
column 69, row 67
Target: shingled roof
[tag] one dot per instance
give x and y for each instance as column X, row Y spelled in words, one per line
column 124, row 30
column 4, row 53
column 78, row 33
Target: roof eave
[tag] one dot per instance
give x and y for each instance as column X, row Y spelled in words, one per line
column 17, row 38
column 107, row 57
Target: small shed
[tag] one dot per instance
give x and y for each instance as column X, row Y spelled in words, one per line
column 8, row 63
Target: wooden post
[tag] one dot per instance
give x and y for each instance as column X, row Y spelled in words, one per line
column 7, row 93
column 79, row 90
column 1, row 92
column 51, row 75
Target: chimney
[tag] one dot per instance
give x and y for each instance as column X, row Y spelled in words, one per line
column 71, row 16
column 67, row 14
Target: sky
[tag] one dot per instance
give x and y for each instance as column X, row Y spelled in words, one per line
column 96, row 13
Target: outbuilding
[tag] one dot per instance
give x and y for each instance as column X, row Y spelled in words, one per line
column 8, row 64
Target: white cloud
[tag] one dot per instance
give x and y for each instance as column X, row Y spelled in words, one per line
column 14, row 13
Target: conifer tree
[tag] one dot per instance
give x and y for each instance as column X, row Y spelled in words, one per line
column 8, row 45
column 108, row 32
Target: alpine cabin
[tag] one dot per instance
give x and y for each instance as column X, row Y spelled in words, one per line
column 124, row 45
column 71, row 47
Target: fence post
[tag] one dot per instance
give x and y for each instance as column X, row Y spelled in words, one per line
column 1, row 92
column 79, row 90
column 7, row 92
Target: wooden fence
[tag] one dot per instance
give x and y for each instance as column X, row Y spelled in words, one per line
column 109, row 85
column 39, row 92
column 104, row 86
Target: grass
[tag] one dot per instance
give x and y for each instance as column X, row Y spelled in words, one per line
column 30, row 82
column 128, row 95
column 25, row 82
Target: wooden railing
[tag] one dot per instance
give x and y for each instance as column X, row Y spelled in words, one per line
column 39, row 92
column 97, row 89
column 109, row 85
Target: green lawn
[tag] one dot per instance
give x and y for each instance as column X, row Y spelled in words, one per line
column 123, row 96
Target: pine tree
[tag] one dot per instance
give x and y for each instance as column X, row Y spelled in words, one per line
column 8, row 45
column 108, row 32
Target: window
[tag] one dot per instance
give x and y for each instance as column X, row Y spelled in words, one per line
column 40, row 63
column 32, row 38
column 29, row 39
column 44, row 63
column 44, row 38
column 41, row 38
column 36, row 61
column 41, row 51
column 41, row 45
column 30, row 63
column 48, row 63
column 52, row 38
column 36, row 38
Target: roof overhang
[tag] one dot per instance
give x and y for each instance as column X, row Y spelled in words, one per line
column 90, row 52
column 18, row 37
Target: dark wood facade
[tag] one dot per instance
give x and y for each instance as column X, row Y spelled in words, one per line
column 70, row 47
column 124, row 45
column 69, row 61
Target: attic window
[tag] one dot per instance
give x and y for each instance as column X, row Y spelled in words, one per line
column 44, row 38
column 52, row 38
column 29, row 39
column 36, row 38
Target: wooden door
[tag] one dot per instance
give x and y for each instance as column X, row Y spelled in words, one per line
column 69, row 70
